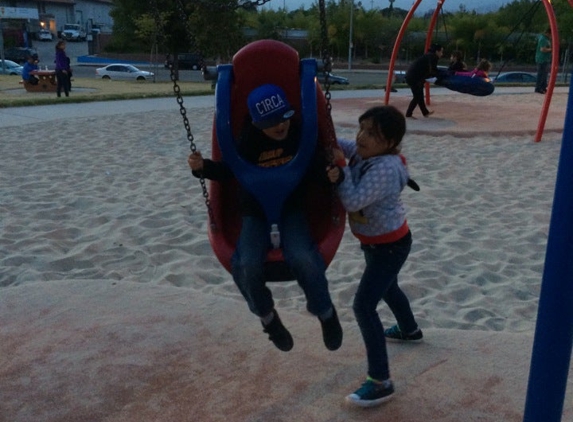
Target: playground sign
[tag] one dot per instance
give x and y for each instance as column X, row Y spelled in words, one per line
column 18, row 13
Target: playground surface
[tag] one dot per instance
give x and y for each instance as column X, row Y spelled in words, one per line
column 113, row 308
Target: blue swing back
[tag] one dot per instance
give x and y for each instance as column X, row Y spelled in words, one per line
column 271, row 186
column 264, row 62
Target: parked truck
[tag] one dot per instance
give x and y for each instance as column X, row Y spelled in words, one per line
column 73, row 32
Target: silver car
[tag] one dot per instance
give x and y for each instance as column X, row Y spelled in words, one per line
column 123, row 71
column 8, row 67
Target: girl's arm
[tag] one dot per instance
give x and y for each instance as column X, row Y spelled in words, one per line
column 376, row 182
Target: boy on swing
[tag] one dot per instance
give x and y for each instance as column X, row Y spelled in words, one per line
column 270, row 140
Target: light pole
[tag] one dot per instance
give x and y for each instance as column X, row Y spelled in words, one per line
column 350, row 36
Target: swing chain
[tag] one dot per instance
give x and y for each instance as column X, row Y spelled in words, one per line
column 327, row 64
column 179, row 98
column 326, row 59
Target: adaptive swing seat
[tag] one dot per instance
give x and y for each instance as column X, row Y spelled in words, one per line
column 466, row 85
column 258, row 63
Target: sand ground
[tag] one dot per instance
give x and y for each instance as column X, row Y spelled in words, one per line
column 113, row 308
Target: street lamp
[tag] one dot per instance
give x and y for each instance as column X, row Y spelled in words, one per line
column 350, row 36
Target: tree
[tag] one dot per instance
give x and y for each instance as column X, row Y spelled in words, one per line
column 207, row 27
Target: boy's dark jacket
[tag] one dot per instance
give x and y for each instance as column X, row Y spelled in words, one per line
column 255, row 147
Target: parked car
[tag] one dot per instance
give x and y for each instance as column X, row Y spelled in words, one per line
column 45, row 35
column 333, row 79
column 186, row 61
column 8, row 67
column 122, row 71
column 73, row 32
column 19, row 54
column 514, row 78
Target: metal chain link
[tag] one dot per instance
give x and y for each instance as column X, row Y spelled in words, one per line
column 327, row 63
column 177, row 90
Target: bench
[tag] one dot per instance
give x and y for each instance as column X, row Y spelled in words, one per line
column 46, row 83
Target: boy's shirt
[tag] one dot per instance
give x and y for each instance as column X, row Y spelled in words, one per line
column 370, row 192
column 255, row 147
column 27, row 68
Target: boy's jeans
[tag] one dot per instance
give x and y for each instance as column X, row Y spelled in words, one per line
column 300, row 253
column 380, row 281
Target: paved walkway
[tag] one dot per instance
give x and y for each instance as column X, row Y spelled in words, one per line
column 509, row 110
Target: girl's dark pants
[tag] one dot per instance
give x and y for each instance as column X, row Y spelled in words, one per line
column 63, row 82
column 380, row 282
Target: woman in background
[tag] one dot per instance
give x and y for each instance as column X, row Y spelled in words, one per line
column 62, row 67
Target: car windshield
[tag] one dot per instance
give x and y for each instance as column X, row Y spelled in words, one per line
column 131, row 68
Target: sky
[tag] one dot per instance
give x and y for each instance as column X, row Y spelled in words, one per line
column 425, row 5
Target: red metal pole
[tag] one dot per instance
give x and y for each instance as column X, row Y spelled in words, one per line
column 397, row 49
column 554, row 67
column 429, row 41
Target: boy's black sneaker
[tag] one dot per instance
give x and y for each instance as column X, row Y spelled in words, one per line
column 331, row 331
column 278, row 334
column 372, row 393
column 394, row 333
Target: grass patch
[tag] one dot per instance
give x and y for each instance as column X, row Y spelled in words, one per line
column 12, row 94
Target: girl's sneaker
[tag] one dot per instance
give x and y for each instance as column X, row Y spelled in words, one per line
column 372, row 393
column 394, row 333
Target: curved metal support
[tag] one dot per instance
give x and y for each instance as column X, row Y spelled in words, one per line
column 397, row 49
column 554, row 68
column 433, row 21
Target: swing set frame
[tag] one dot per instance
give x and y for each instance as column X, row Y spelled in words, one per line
column 554, row 56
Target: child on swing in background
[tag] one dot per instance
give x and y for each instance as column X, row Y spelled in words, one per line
column 369, row 188
column 481, row 71
column 270, row 140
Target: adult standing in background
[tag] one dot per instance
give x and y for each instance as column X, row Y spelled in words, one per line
column 543, row 60
column 422, row 68
column 62, row 69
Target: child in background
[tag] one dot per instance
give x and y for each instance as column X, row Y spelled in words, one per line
column 30, row 65
column 369, row 188
column 456, row 63
column 481, row 71
column 269, row 139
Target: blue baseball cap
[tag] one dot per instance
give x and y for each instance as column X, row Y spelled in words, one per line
column 268, row 106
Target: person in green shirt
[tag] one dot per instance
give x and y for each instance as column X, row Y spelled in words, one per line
column 543, row 60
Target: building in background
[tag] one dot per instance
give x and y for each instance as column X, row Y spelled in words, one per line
column 19, row 29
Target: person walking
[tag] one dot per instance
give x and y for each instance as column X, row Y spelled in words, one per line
column 422, row 68
column 543, row 60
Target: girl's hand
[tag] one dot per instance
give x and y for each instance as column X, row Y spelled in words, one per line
column 334, row 174
column 195, row 161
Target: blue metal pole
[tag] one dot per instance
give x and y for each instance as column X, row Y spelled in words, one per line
column 553, row 340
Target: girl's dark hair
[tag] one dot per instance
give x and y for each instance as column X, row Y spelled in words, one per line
column 389, row 122
column 484, row 65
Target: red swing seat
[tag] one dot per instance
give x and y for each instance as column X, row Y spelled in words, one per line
column 272, row 62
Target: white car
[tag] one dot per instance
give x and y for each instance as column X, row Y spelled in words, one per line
column 123, row 71
column 8, row 67
column 45, row 35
